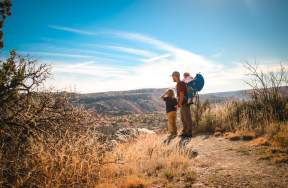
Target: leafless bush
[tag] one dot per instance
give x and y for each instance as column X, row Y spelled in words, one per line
column 266, row 92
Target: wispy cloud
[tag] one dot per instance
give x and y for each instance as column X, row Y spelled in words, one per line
column 41, row 53
column 132, row 51
column 218, row 54
column 178, row 53
column 72, row 30
column 89, row 68
column 79, row 65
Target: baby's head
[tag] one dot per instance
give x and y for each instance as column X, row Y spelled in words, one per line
column 170, row 93
column 186, row 75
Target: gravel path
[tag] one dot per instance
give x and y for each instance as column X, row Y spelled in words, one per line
column 224, row 163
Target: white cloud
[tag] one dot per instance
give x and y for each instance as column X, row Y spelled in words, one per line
column 153, row 72
column 157, row 58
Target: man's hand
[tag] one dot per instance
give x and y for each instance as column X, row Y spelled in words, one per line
column 179, row 105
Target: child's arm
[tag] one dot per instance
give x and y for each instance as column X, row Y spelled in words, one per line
column 163, row 96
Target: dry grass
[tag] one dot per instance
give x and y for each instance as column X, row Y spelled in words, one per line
column 80, row 160
column 146, row 161
column 69, row 161
column 240, row 120
column 246, row 120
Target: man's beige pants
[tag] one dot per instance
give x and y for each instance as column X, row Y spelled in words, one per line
column 172, row 122
column 186, row 119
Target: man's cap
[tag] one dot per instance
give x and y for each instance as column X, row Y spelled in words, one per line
column 175, row 73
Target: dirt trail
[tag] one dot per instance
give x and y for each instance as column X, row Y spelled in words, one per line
column 224, row 163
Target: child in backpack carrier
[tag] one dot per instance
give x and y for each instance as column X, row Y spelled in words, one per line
column 187, row 78
column 171, row 110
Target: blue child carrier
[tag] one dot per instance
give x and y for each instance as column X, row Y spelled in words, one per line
column 194, row 87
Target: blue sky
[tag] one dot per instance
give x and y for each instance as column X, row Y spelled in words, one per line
column 103, row 45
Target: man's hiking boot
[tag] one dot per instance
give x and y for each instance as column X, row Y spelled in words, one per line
column 186, row 135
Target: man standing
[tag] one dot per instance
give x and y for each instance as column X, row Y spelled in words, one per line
column 182, row 104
